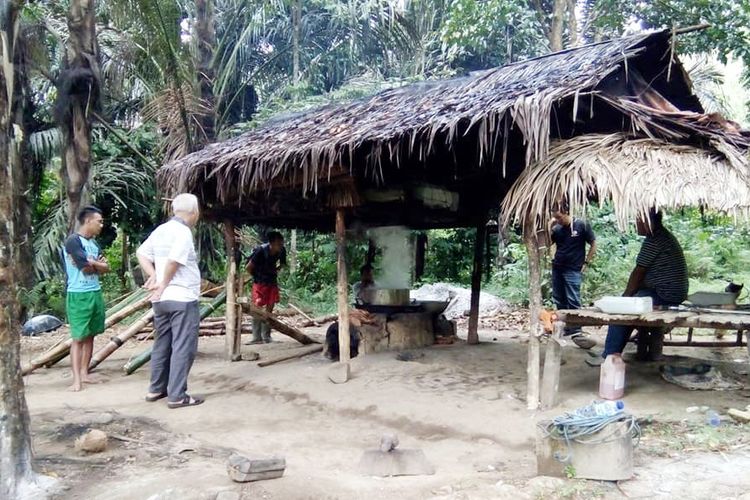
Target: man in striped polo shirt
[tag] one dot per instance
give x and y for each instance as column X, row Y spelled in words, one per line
column 660, row 273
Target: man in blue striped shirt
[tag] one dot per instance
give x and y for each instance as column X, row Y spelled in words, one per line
column 660, row 273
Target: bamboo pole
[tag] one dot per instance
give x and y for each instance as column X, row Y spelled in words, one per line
column 127, row 300
column 127, row 311
column 141, row 359
column 342, row 286
column 60, row 350
column 476, row 285
column 117, row 341
column 298, row 353
column 535, row 305
column 230, row 242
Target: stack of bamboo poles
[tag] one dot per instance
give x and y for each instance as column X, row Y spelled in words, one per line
column 138, row 300
column 129, row 305
column 141, row 359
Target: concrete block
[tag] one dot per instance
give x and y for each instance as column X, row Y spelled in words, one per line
column 242, row 469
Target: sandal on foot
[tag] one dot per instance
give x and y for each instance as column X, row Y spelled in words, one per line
column 155, row 397
column 187, row 401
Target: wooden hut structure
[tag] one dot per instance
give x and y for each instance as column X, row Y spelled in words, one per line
column 445, row 153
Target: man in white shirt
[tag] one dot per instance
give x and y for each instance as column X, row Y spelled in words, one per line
column 168, row 258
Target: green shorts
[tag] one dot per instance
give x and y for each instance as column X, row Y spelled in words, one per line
column 85, row 314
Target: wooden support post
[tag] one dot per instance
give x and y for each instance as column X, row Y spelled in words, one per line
column 230, row 242
column 237, row 345
column 342, row 287
column 488, row 258
column 419, row 258
column 552, row 360
column 476, row 285
column 535, row 307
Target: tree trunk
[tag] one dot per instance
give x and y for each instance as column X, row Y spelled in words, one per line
column 22, row 174
column 293, row 253
column 476, row 285
column 342, row 286
column 535, row 306
column 78, row 95
column 15, row 439
column 205, row 31
column 556, row 25
column 572, row 24
column 231, row 340
column 296, row 29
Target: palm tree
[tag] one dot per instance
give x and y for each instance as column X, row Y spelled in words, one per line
column 78, row 95
column 15, row 440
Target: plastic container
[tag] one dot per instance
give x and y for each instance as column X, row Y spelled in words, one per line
column 601, row 409
column 625, row 305
column 612, row 378
column 713, row 419
column 708, row 299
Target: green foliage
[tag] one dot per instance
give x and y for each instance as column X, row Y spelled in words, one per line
column 449, row 257
column 45, row 297
column 716, row 251
column 481, row 34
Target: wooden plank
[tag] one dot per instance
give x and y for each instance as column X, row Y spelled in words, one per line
column 476, row 285
column 674, row 319
column 240, row 284
column 535, row 306
column 297, row 353
column 230, row 242
column 276, row 323
column 342, row 286
column 552, row 360
column 677, row 343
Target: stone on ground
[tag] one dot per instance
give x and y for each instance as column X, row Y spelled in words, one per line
column 242, row 469
column 388, row 442
column 339, row 373
column 228, row 495
column 94, row 441
column 541, row 486
column 395, row 463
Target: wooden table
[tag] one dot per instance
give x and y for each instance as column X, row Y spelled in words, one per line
column 738, row 321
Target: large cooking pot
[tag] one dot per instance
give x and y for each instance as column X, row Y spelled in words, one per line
column 389, row 296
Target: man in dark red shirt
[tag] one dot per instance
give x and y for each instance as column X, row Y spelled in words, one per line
column 263, row 266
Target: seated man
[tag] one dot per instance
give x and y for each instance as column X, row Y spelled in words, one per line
column 660, row 273
column 363, row 288
column 356, row 319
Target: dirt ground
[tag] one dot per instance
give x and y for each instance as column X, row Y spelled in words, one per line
column 464, row 406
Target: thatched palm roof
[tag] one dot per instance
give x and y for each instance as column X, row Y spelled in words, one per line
column 634, row 174
column 531, row 102
column 313, row 142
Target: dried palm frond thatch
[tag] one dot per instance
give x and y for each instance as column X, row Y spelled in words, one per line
column 635, row 174
column 305, row 147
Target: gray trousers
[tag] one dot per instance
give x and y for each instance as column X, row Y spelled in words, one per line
column 176, row 325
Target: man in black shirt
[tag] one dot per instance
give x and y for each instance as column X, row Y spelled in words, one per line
column 263, row 266
column 570, row 237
